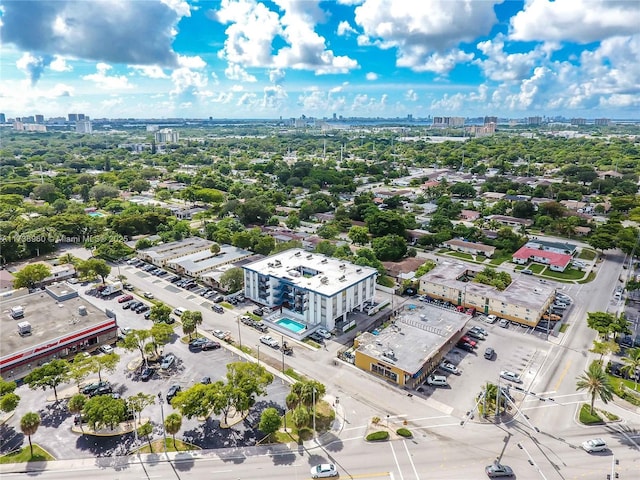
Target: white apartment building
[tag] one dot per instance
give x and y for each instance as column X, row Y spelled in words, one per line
column 309, row 287
column 166, row 135
column 84, row 126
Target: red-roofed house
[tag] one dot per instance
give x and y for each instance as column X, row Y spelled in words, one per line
column 556, row 261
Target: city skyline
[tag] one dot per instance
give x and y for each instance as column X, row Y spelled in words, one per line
column 354, row 58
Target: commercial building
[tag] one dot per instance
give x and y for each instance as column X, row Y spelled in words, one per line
column 557, row 262
column 411, row 347
column 525, row 300
column 54, row 323
column 471, row 248
column 309, row 288
column 203, row 261
column 163, row 253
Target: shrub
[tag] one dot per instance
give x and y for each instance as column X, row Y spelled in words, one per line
column 378, row 436
column 586, row 417
column 375, row 420
column 404, row 432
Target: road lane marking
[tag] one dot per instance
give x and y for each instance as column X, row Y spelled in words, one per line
column 415, row 472
column 396, row 460
column 562, row 375
column 371, row 475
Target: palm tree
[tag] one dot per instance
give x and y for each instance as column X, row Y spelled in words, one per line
column 632, row 364
column 596, row 382
column 173, row 424
column 29, row 424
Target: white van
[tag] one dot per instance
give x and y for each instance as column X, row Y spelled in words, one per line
column 179, row 311
column 437, row 380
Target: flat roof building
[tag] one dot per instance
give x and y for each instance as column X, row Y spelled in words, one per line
column 524, row 300
column 163, row 253
column 196, row 264
column 61, row 325
column 309, row 287
column 412, row 346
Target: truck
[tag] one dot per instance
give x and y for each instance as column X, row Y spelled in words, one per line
column 111, row 289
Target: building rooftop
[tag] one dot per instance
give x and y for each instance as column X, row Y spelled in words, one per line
column 524, row 290
column 312, row 271
column 175, row 249
column 205, row 260
column 49, row 318
column 554, row 258
column 419, row 332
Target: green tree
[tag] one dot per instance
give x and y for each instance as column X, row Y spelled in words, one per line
column 233, row 279
column 161, row 334
column 80, row 368
column 105, row 411
column 136, row 340
column 103, row 191
column 293, row 221
column 270, row 421
column 596, row 383
column 8, row 399
column 139, row 186
column 198, row 400
column 160, row 313
column 300, row 417
column 47, row 192
column 601, row 322
column 99, row 363
column 359, row 235
column 94, row 266
column 215, row 249
column 29, row 424
column 138, row 402
column 188, row 325
column 192, row 317
column 604, row 348
column 173, row 424
column 76, row 404
column 389, row 248
column 51, row 375
column 31, row 275
column 145, row 431
column 632, row 364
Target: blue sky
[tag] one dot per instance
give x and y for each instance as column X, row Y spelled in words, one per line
column 287, row 58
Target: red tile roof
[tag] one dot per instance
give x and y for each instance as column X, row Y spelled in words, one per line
column 559, row 259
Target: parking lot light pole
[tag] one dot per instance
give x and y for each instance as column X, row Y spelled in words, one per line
column 164, row 431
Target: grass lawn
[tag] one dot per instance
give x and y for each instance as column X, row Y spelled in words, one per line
column 586, row 417
column 324, row 417
column 24, row 455
column 226, row 305
column 587, row 254
column 616, row 383
column 590, row 278
column 567, row 275
column 564, row 327
column 537, row 268
column 464, row 256
column 157, row 446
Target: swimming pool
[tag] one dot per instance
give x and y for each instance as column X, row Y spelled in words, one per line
column 95, row 214
column 295, row 327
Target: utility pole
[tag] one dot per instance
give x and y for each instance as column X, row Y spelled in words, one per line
column 164, row 431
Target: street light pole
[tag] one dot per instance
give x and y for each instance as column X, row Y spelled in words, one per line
column 164, row 431
column 239, row 334
column 282, row 353
column 313, row 399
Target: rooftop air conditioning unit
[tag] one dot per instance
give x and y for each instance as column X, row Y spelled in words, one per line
column 358, row 270
column 342, row 278
column 324, row 260
column 309, row 257
column 343, row 266
column 297, row 254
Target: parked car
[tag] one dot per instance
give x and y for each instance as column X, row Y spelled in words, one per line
column 511, row 376
column 437, row 380
column 168, row 361
column 147, row 295
column 172, row 392
column 205, row 380
column 480, row 330
column 594, row 445
column 219, row 334
column 142, row 309
column 269, row 341
column 179, row 311
column 465, row 346
column 104, row 390
column 526, row 271
column 217, row 308
column 498, row 470
column 466, row 339
column 489, row 353
column 125, row 298
column 128, row 286
column 106, row 349
column 504, row 323
column 449, row 367
column 210, row 345
column 258, row 312
column 260, row 326
column 147, row 374
column 491, row 319
column 324, row 333
column 94, row 386
column 316, row 337
column 478, row 335
column 218, row 299
column 324, row 470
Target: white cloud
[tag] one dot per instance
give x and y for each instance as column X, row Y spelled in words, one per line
column 59, row 64
column 274, row 97
column 344, row 28
column 276, row 75
column 411, row 95
column 236, row 72
column 151, row 71
column 424, row 33
column 371, row 76
column 247, row 99
column 581, row 21
column 191, row 62
column 110, row 103
column 106, row 82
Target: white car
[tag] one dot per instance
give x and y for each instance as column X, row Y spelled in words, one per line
column 219, row 334
column 270, row 341
column 504, row 323
column 106, row 349
column 147, row 295
column 324, row 333
column 511, row 376
column 324, row 470
column 449, row 367
column 594, row 445
column 491, row 319
column 437, row 380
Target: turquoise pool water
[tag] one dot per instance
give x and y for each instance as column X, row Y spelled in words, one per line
column 95, row 214
column 295, row 327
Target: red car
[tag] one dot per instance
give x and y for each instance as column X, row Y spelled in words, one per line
column 469, row 341
column 125, row 298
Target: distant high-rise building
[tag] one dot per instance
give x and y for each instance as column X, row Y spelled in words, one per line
column 82, row 117
column 335, row 117
column 18, row 126
column 602, row 121
column 39, row 118
column 166, row 135
column 490, row 120
column 410, row 117
column 578, row 121
column 73, row 117
column 29, row 119
column 84, row 126
column 534, row 121
column 444, row 122
column 3, row 119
